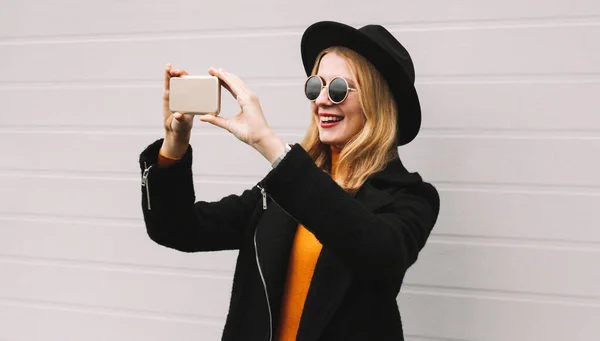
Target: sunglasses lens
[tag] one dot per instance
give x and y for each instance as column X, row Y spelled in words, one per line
column 313, row 87
column 337, row 90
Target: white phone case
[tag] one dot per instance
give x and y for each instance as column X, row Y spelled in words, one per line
column 199, row 95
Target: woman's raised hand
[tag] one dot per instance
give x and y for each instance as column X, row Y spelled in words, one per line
column 249, row 125
column 176, row 123
column 178, row 126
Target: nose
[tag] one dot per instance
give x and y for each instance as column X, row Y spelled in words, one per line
column 323, row 99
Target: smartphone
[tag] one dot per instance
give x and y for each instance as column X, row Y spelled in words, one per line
column 198, row 95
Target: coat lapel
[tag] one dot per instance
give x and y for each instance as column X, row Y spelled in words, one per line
column 332, row 277
column 274, row 237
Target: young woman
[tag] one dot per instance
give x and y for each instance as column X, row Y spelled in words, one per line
column 326, row 237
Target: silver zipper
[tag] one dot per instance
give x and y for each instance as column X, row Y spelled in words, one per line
column 264, row 196
column 262, row 277
column 146, row 184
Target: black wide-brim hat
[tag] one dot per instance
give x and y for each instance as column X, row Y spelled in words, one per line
column 380, row 48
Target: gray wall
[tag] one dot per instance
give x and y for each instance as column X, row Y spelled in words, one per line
column 510, row 137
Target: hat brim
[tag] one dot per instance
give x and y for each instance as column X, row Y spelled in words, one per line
column 322, row 35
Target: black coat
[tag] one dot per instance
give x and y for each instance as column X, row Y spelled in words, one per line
column 369, row 241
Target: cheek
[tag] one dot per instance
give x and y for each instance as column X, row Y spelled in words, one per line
column 313, row 109
column 356, row 124
column 354, row 113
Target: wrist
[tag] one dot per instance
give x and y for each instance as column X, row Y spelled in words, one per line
column 271, row 147
column 175, row 146
column 281, row 156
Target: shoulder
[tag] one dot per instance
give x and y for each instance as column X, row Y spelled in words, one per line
column 406, row 186
column 427, row 192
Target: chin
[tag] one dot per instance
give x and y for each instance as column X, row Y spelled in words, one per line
column 332, row 137
column 331, row 141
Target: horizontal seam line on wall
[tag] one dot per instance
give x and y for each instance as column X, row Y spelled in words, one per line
column 213, row 274
column 500, row 295
column 516, row 242
column 113, row 311
column 394, row 27
column 517, row 188
column 421, row 79
column 298, row 132
column 431, row 338
column 229, row 179
column 155, row 133
column 73, row 219
column 457, row 79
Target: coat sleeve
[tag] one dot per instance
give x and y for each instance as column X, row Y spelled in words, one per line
column 375, row 245
column 175, row 220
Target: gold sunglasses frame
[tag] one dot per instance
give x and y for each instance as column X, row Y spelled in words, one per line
column 323, row 85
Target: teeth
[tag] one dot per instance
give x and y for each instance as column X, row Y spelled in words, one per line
column 331, row 119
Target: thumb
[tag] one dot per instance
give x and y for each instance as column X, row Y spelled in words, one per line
column 215, row 120
column 178, row 116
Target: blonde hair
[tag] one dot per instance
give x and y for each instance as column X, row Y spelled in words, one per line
column 374, row 145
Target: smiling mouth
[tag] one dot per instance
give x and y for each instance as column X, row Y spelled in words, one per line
column 325, row 117
column 330, row 119
column 330, row 122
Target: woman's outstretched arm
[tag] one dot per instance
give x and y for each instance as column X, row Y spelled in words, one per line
column 173, row 217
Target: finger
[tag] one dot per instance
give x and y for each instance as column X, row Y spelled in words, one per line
column 181, row 117
column 216, row 120
column 215, row 72
column 167, row 86
column 235, row 82
column 167, row 76
column 226, row 80
column 165, row 96
column 178, row 116
column 178, row 73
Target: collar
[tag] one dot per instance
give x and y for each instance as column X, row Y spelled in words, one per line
column 335, row 156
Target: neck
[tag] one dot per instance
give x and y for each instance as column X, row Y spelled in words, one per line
column 335, row 154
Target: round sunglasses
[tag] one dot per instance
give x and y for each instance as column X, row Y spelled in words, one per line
column 338, row 88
